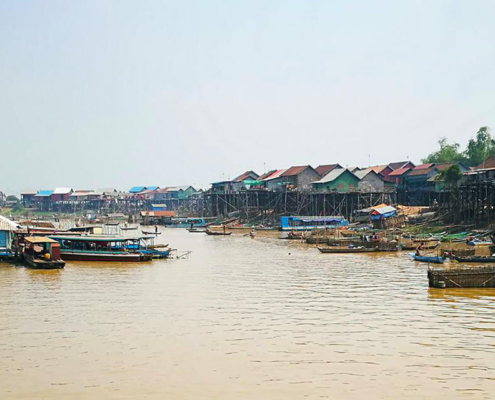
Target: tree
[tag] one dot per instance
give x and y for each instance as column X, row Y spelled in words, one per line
column 12, row 198
column 449, row 152
column 450, row 176
column 480, row 148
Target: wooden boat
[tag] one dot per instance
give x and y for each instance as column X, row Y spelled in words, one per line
column 428, row 259
column 151, row 233
column 475, row 259
column 426, row 246
column 103, row 248
column 215, row 233
column 42, row 253
column 344, row 250
column 482, row 276
column 196, row 230
column 128, row 228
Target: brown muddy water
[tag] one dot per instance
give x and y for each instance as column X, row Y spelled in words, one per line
column 243, row 319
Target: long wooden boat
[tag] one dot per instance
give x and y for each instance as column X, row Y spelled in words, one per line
column 42, row 253
column 475, row 259
column 196, row 230
column 151, row 233
column 426, row 246
column 344, row 250
column 128, row 228
column 103, row 248
column 428, row 259
column 215, row 233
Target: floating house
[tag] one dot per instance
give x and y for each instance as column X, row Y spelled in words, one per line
column 7, row 228
column 339, row 180
column 369, row 181
column 398, row 176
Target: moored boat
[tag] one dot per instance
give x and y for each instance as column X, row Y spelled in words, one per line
column 103, row 248
column 428, row 259
column 42, row 253
column 344, row 250
column 475, row 259
column 215, row 233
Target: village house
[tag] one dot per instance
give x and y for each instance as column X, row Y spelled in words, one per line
column 398, row 176
column 234, row 185
column 7, row 228
column 383, row 170
column 322, row 170
column 339, row 180
column 299, row 177
column 61, row 194
column 27, row 197
column 401, row 164
column 369, row 181
column 483, row 172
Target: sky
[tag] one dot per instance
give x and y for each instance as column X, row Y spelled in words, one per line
column 122, row 93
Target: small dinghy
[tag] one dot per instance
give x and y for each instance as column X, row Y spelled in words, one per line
column 428, row 259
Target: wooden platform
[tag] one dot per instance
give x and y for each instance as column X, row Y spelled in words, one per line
column 462, row 277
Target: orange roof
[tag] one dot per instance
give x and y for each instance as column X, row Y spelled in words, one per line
column 399, row 172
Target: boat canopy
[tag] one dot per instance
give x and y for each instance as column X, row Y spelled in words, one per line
column 101, row 238
column 39, row 240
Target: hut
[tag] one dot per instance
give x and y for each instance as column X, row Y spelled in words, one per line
column 370, row 181
column 300, row 177
column 340, row 180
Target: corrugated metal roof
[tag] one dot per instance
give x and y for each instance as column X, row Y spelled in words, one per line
column 44, row 193
column 487, row 163
column 152, row 187
column 275, row 175
column 332, row 175
column 399, row 172
column 293, row 171
column 398, row 164
column 378, row 168
column 137, row 189
column 383, row 210
column 29, row 192
column 421, row 171
column 444, row 166
column 246, row 175
column 362, row 173
column 62, row 191
column 38, row 239
column 422, row 166
column 322, row 170
column 266, row 174
column 7, row 225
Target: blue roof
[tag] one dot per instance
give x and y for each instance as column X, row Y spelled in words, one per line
column 152, row 187
column 45, row 192
column 137, row 189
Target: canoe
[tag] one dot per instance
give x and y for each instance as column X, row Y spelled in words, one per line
column 196, row 230
column 128, row 228
column 428, row 259
column 213, row 233
column 337, row 250
column 475, row 259
column 150, row 233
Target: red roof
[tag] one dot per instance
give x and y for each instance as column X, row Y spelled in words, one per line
column 378, row 168
column 400, row 171
column 398, row 165
column 158, row 213
column 488, row 163
column 292, row 171
column 422, row 166
column 322, row 170
column 444, row 166
column 421, row 171
column 266, row 174
column 246, row 175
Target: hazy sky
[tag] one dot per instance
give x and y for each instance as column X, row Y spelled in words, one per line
column 122, row 93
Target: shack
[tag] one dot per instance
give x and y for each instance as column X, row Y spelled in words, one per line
column 7, row 228
column 300, row 177
column 339, row 180
column 370, row 181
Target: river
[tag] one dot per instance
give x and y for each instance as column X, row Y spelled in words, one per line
column 246, row 319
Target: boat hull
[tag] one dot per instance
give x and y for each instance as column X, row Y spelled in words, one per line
column 104, row 256
column 347, row 250
column 42, row 264
column 428, row 259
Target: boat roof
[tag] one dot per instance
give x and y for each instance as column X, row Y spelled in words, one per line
column 101, row 238
column 37, row 239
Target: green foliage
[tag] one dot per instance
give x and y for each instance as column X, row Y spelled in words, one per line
column 18, row 207
column 480, row 148
column 12, row 198
column 450, row 176
column 448, row 152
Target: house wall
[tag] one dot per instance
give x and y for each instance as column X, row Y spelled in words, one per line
column 371, row 183
column 5, row 240
column 346, row 182
column 273, row 184
column 305, row 179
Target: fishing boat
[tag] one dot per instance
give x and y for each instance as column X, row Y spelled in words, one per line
column 302, row 223
column 344, row 250
column 428, row 259
column 103, row 248
column 475, row 259
column 151, row 233
column 196, row 230
column 215, row 233
column 424, row 246
column 42, row 253
column 128, row 228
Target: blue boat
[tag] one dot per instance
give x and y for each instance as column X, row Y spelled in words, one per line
column 428, row 259
column 302, row 223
